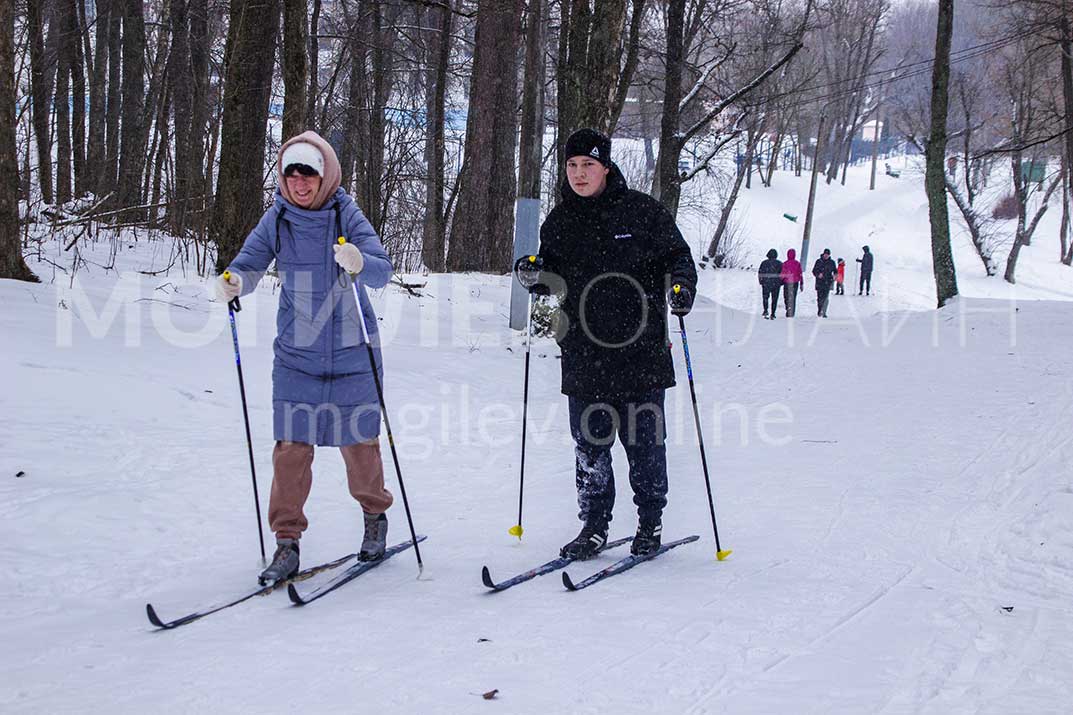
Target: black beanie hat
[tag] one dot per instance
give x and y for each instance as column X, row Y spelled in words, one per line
column 591, row 143
column 772, row 253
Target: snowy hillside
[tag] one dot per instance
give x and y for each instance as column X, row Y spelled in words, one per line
column 892, row 221
column 897, row 491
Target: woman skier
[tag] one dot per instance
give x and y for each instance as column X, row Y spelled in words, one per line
column 323, row 391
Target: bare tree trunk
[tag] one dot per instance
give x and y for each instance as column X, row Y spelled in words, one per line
column 371, row 177
column 670, row 142
column 357, row 92
column 154, row 107
column 484, row 218
column 195, row 169
column 249, row 62
column 295, row 68
column 601, row 68
column 593, row 81
column 728, row 207
column 1066, row 254
column 1066, row 54
column 434, row 237
column 574, row 22
column 98, row 88
column 78, row 101
column 532, row 128
column 946, row 286
column 975, row 223
column 314, row 65
column 110, row 170
column 182, row 91
column 62, row 102
column 12, row 264
column 633, row 48
column 773, row 162
column 39, row 95
column 132, row 127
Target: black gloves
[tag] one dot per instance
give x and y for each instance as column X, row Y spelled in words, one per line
column 680, row 298
column 527, row 269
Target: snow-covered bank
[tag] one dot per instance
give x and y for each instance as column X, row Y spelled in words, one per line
column 896, row 488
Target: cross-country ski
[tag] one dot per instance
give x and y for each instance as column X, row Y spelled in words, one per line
column 348, row 575
column 545, row 568
column 624, row 564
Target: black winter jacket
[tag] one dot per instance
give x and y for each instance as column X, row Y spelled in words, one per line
column 824, row 270
column 866, row 263
column 611, row 259
column 770, row 273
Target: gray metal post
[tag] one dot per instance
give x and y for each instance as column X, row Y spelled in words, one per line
column 526, row 243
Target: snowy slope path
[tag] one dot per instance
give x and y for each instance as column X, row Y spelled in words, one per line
column 889, row 487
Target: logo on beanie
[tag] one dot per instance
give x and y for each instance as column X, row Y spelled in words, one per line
column 595, row 152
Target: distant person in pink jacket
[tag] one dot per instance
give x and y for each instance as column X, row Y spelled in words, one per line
column 792, row 281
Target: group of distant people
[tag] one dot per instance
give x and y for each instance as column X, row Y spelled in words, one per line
column 787, row 276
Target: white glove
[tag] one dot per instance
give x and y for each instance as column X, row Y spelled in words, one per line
column 349, row 257
column 228, row 290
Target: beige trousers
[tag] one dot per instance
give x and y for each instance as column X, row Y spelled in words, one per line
column 292, row 478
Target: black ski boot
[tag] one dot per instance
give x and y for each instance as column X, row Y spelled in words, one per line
column 375, row 541
column 588, row 543
column 284, row 563
column 648, row 538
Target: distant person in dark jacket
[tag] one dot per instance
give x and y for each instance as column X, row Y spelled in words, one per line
column 866, row 261
column 793, row 280
column 840, row 278
column 824, row 271
column 770, row 275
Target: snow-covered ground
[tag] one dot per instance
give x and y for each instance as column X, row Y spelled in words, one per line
column 895, row 483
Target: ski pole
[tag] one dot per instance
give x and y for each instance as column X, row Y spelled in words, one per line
column 234, row 307
column 517, row 529
column 383, row 411
column 720, row 554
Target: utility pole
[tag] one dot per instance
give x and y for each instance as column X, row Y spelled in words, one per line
column 812, row 194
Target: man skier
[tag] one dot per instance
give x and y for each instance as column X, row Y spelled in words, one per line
column 824, row 270
column 614, row 255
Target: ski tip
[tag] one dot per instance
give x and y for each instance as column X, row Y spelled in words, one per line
column 293, row 594
column 486, row 577
column 722, row 555
column 568, row 583
column 153, row 618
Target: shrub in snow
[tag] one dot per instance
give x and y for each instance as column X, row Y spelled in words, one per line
column 1005, row 208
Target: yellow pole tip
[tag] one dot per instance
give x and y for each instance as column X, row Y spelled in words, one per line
column 516, row 530
column 341, row 241
column 722, row 555
column 532, row 259
column 227, row 275
column 677, row 288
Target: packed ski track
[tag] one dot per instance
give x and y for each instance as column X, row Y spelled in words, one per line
column 896, row 487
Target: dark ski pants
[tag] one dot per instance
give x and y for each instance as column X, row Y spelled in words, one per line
column 771, row 293
column 789, row 295
column 840, row 288
column 639, row 424
column 866, row 279
column 823, row 295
